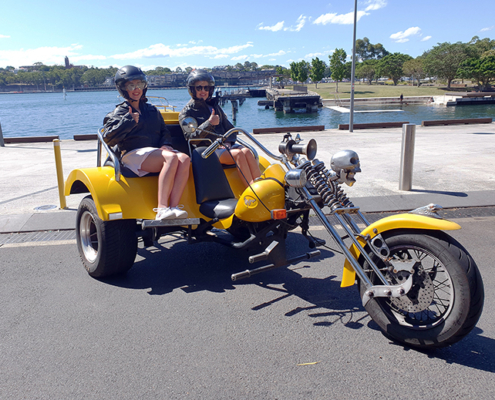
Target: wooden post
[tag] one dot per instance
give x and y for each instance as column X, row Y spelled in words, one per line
column 234, row 109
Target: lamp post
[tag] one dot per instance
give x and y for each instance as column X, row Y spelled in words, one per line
column 351, row 113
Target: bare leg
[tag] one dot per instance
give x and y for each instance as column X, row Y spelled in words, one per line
column 240, row 160
column 166, row 162
column 253, row 164
column 180, row 180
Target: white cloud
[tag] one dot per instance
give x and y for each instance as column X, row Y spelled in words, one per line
column 375, row 5
column 277, row 27
column 426, row 38
column 402, row 37
column 240, row 58
column 220, row 56
column 161, row 50
column 342, row 19
column 4, row 36
column 322, row 54
column 481, row 30
column 300, row 23
column 279, row 53
column 46, row 55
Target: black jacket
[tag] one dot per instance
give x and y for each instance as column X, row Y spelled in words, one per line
column 200, row 110
column 121, row 130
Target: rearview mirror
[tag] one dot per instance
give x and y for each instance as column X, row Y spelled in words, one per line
column 189, row 124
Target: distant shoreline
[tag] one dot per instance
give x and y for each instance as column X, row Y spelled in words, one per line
column 83, row 90
column 109, row 89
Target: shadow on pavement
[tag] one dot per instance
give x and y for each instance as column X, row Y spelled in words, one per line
column 456, row 194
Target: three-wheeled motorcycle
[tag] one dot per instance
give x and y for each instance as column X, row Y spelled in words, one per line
column 416, row 282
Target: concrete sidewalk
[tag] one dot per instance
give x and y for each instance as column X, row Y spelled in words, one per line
column 454, row 166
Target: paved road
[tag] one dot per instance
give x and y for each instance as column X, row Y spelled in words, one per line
column 176, row 327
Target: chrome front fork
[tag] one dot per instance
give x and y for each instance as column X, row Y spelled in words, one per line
column 342, row 208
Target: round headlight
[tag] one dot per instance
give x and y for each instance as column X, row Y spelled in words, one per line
column 296, row 178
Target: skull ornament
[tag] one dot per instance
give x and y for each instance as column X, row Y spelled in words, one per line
column 346, row 164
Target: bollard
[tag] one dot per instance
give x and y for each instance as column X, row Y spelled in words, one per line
column 2, row 143
column 407, row 156
column 60, row 173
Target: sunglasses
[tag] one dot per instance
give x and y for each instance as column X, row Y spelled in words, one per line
column 199, row 88
column 131, row 86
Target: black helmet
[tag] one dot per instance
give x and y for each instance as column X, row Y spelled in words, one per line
column 126, row 74
column 199, row 75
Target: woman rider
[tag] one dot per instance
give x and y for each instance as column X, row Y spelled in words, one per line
column 143, row 141
column 211, row 118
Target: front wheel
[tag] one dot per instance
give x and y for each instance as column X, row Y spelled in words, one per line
column 446, row 299
column 106, row 247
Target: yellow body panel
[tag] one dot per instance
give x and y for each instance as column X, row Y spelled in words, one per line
column 408, row 221
column 169, row 116
column 249, row 207
column 275, row 171
column 135, row 198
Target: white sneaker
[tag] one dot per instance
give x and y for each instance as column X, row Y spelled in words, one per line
column 164, row 213
column 179, row 212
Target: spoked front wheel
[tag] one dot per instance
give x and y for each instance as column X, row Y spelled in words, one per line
column 446, row 299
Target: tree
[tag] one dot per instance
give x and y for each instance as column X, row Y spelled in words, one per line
column 481, row 70
column 239, row 67
column 367, row 70
column 444, row 60
column 317, row 70
column 178, row 70
column 392, row 66
column 477, row 47
column 367, row 51
column 337, row 65
column 299, row 71
column 415, row 69
column 282, row 71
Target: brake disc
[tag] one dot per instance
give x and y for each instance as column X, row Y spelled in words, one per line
column 421, row 294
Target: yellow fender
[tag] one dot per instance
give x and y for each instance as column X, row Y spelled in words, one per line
column 411, row 221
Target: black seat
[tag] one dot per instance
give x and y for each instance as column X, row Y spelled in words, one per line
column 179, row 142
column 213, row 192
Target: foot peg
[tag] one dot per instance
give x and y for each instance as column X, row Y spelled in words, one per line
column 250, row 272
column 264, row 255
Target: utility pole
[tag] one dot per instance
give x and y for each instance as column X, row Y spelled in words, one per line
column 351, row 114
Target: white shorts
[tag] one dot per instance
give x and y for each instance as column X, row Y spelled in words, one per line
column 222, row 149
column 134, row 159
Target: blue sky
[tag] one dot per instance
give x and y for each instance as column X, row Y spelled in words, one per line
column 205, row 34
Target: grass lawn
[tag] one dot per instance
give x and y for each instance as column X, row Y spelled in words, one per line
column 327, row 90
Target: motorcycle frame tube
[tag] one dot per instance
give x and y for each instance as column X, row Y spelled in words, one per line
column 265, row 150
column 349, row 256
column 399, row 221
column 358, row 246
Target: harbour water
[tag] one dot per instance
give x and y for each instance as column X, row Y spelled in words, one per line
column 43, row 114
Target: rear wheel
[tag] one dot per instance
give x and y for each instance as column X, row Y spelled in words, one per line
column 106, row 247
column 446, row 299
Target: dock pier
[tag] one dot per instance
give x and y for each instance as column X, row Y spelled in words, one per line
column 287, row 100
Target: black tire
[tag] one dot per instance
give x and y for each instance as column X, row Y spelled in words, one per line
column 447, row 296
column 106, row 247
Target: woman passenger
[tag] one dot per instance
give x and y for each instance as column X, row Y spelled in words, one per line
column 210, row 116
column 143, row 141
